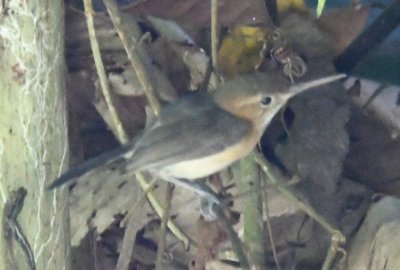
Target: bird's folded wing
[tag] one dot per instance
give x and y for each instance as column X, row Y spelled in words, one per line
column 191, row 128
column 199, row 130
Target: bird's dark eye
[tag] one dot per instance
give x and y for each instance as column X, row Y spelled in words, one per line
column 266, row 100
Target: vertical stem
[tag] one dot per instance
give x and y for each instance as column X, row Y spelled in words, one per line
column 129, row 240
column 105, row 86
column 254, row 236
column 214, row 34
column 163, row 228
column 237, row 245
column 131, row 50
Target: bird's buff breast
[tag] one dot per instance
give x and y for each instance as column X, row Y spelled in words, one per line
column 202, row 167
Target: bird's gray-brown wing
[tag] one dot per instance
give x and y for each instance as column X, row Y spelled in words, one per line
column 195, row 128
column 192, row 127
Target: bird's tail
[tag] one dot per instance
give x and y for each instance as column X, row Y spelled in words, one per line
column 112, row 160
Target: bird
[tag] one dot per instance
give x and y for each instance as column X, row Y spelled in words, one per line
column 202, row 132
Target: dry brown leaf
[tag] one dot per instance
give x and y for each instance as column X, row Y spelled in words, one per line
column 209, row 236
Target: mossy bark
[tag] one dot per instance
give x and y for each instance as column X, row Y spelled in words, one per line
column 33, row 135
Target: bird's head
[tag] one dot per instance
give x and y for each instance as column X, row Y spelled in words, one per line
column 258, row 97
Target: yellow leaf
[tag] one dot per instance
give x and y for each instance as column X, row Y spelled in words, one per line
column 242, row 50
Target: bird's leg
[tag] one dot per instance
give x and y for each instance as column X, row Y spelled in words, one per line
column 337, row 238
column 208, row 198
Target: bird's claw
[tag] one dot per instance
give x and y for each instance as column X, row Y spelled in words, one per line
column 207, row 207
column 208, row 200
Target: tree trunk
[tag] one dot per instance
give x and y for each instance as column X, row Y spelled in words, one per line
column 33, row 134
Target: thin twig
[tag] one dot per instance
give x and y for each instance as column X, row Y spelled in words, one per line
column 374, row 95
column 136, row 204
column 158, row 208
column 130, row 46
column 163, row 228
column 105, row 86
column 299, row 204
column 214, row 34
column 269, row 227
column 337, row 238
column 186, row 240
column 334, row 249
column 235, row 241
column 135, row 223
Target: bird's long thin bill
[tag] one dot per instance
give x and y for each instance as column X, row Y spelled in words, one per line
column 300, row 87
